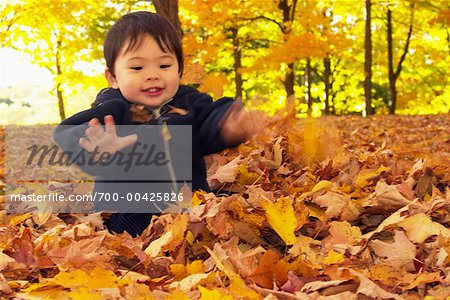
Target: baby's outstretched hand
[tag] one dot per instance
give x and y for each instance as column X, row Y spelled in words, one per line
column 237, row 125
column 103, row 139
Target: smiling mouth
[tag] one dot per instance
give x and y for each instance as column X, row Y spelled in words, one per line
column 153, row 91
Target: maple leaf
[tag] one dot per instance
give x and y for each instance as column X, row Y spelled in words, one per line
column 388, row 197
column 368, row 288
column 338, row 206
column 189, row 282
column 207, row 294
column 281, row 216
column 171, row 239
column 344, row 233
column 226, row 173
column 264, row 273
column 244, row 261
column 401, row 253
column 80, row 254
column 419, row 227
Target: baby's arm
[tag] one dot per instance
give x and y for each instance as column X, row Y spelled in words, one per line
column 236, row 125
column 69, row 133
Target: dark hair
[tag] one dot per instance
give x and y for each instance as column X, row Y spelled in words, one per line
column 133, row 27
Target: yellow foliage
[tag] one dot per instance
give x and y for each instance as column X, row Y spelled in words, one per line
column 281, row 216
column 333, row 257
column 214, row 84
column 214, row 294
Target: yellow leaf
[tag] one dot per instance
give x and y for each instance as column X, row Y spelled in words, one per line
column 196, row 200
column 240, row 289
column 179, row 227
column 190, row 237
column 171, row 239
column 195, row 267
column 178, row 270
column 316, row 212
column 177, row 295
column 281, row 216
column 77, row 278
column 19, row 219
column 244, row 177
column 333, row 257
column 247, row 217
column 363, row 176
column 189, row 282
column 213, row 294
column 323, row 184
column 101, row 278
column 56, row 293
column 155, row 246
column 84, row 293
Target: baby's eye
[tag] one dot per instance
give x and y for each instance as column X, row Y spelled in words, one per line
column 136, row 68
column 165, row 66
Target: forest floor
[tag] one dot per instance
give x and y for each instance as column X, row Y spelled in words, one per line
column 327, row 208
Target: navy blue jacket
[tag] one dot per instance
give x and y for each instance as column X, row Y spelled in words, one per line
column 199, row 110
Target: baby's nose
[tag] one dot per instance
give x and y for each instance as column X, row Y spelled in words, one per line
column 152, row 75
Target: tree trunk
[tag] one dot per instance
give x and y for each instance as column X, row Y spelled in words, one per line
column 237, row 53
column 289, row 88
column 169, row 9
column 393, row 75
column 59, row 94
column 309, row 83
column 62, row 113
column 288, row 12
column 368, row 60
column 326, row 80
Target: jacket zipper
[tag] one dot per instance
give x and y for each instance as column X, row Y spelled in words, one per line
column 166, row 136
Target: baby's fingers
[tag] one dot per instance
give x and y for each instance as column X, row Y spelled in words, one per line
column 123, row 142
column 110, row 125
column 95, row 130
column 86, row 145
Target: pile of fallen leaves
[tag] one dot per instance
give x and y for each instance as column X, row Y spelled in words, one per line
column 329, row 208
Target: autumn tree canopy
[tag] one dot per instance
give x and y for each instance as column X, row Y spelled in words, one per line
column 271, row 54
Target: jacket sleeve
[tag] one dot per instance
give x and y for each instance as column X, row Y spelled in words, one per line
column 68, row 133
column 207, row 124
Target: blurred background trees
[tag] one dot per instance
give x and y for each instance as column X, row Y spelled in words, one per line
column 305, row 57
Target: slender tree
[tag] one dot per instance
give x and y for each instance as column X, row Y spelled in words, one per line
column 288, row 10
column 49, row 32
column 308, row 80
column 237, row 55
column 368, row 59
column 394, row 74
column 327, row 83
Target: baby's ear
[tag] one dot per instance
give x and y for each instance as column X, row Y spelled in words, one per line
column 111, row 79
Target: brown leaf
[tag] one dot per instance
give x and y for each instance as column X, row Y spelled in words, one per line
column 400, row 253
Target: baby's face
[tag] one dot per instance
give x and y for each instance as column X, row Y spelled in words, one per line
column 146, row 75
